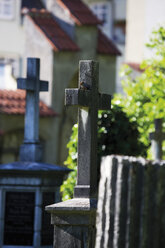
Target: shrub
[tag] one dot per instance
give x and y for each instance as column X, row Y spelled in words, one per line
column 116, row 135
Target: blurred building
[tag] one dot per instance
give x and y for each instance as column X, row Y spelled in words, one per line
column 12, row 43
column 60, row 32
column 113, row 15
column 142, row 17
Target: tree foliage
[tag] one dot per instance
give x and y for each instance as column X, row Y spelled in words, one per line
column 144, row 98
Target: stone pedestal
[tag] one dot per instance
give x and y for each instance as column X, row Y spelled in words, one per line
column 74, row 223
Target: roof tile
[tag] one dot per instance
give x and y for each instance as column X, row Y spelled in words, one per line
column 80, row 12
column 13, row 102
column 135, row 66
column 106, row 46
column 57, row 37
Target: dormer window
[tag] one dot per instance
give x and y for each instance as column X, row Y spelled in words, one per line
column 6, row 9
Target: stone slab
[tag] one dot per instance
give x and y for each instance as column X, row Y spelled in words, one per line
column 76, row 204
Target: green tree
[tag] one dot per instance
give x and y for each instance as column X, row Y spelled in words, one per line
column 144, row 98
column 116, row 135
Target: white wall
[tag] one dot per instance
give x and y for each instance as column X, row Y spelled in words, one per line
column 135, row 29
column 12, row 34
column 120, row 9
column 142, row 17
column 154, row 16
column 12, row 43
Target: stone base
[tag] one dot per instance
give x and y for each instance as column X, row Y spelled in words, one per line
column 74, row 223
column 31, row 152
column 82, row 191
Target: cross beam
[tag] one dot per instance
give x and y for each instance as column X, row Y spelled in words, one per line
column 89, row 100
column 31, row 149
column 157, row 138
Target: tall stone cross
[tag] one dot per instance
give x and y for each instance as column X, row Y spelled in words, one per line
column 89, row 101
column 31, row 149
column 156, row 139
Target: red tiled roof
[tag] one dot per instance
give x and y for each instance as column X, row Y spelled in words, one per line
column 135, row 66
column 106, row 46
column 13, row 102
column 57, row 37
column 80, row 12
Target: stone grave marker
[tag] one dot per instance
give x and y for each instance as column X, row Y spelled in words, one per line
column 28, row 185
column 74, row 220
column 31, row 149
column 157, row 138
column 19, row 216
column 89, row 101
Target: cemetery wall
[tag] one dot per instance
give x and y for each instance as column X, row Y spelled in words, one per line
column 131, row 203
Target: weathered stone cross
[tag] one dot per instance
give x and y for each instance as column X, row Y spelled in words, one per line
column 31, row 149
column 156, row 139
column 89, row 101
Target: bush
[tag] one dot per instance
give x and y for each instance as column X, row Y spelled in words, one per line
column 116, row 135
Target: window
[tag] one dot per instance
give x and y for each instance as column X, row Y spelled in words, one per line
column 6, row 9
column 103, row 12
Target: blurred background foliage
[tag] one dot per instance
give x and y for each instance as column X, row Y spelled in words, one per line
column 144, row 96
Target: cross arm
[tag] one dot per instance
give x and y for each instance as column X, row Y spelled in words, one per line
column 44, row 85
column 77, row 97
column 30, row 84
column 104, row 102
column 24, row 85
column 157, row 136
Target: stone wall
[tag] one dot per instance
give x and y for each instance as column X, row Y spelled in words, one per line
column 131, row 203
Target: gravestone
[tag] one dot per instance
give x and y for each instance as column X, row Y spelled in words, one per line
column 19, row 216
column 157, row 138
column 74, row 220
column 31, row 150
column 28, row 185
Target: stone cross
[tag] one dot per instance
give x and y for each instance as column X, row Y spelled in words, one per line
column 156, row 139
column 89, row 101
column 31, row 149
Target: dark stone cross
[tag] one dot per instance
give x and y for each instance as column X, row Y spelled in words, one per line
column 156, row 139
column 89, row 101
column 31, row 149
